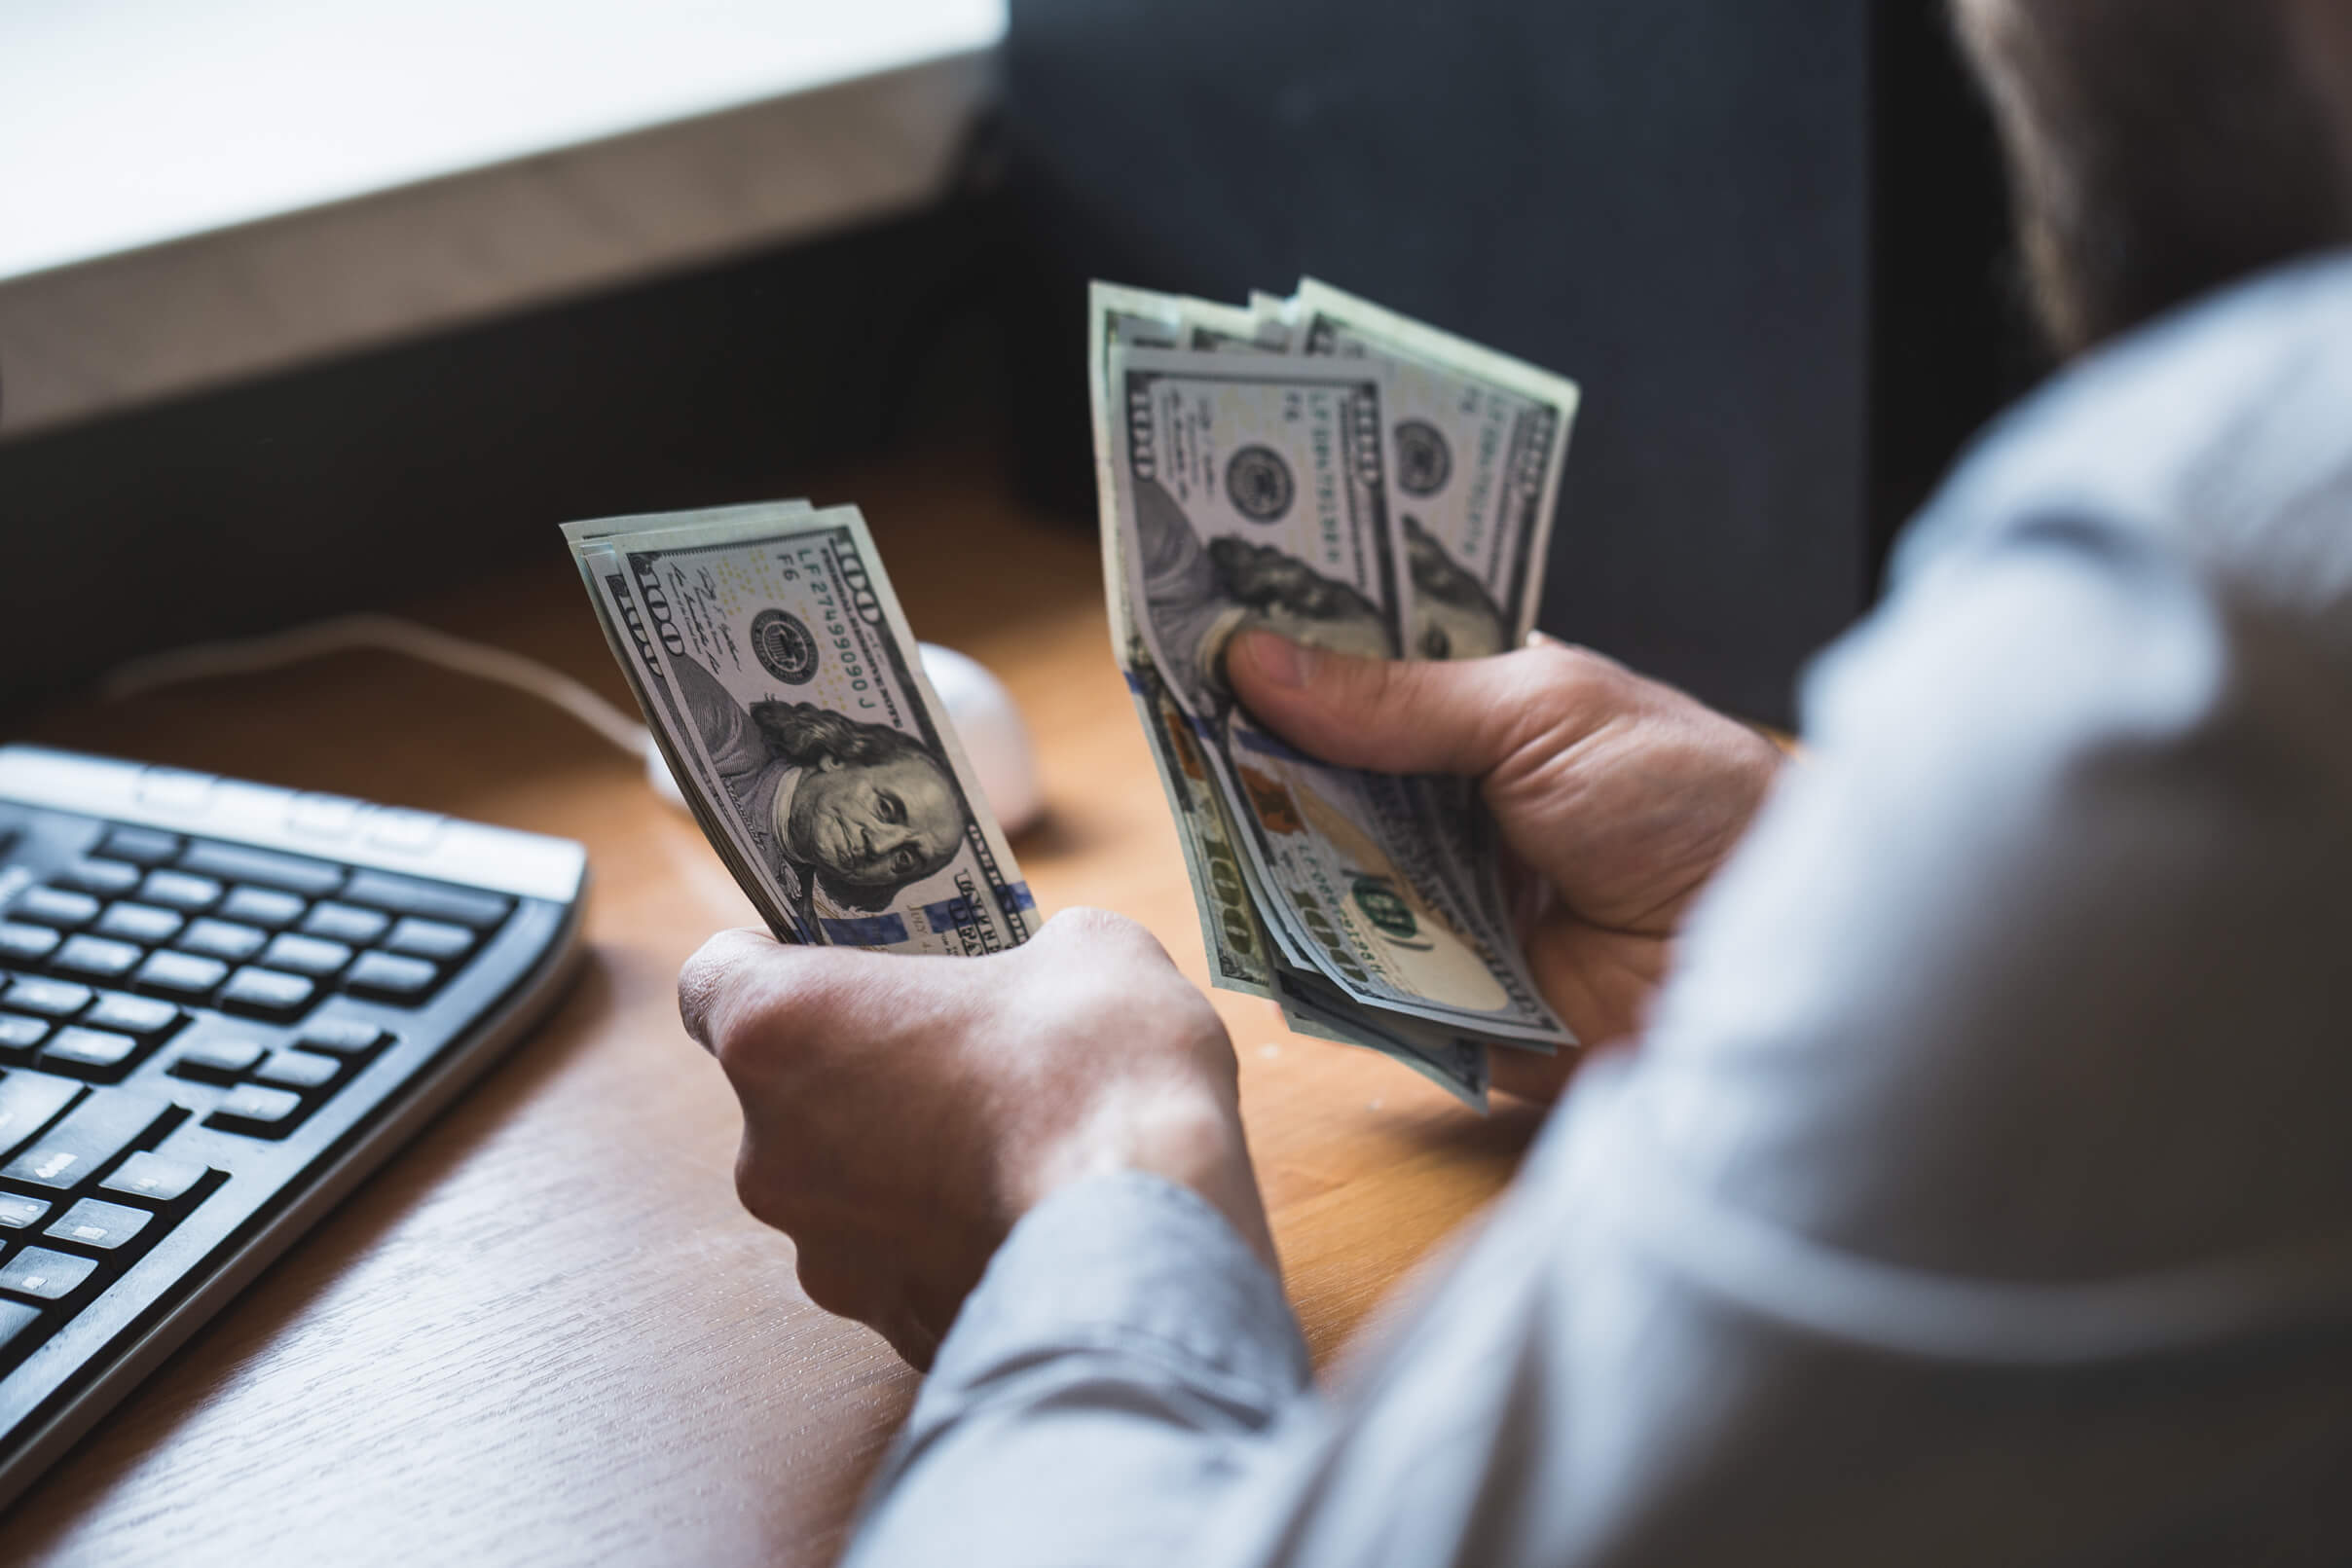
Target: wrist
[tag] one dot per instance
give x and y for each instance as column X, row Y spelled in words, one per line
column 1187, row 1136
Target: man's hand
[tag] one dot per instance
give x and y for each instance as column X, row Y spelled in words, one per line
column 1620, row 794
column 901, row 1113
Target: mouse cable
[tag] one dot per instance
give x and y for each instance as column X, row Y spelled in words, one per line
column 388, row 634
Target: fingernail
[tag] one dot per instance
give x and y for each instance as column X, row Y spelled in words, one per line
column 1282, row 662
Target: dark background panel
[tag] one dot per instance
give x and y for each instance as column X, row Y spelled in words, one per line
column 1667, row 200
column 1951, row 337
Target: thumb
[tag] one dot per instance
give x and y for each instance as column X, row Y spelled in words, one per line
column 1463, row 716
column 714, row 983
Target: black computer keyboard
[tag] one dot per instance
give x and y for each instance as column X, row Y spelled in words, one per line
column 221, row 1004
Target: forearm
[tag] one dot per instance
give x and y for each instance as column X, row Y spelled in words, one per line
column 1112, row 1379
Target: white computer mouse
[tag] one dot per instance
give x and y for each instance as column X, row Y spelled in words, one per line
column 985, row 719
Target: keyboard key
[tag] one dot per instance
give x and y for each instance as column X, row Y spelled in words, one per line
column 397, row 827
column 299, row 1071
column 430, row 939
column 257, row 1111
column 180, row 891
column 263, row 906
column 108, row 878
column 341, row 1037
column 224, row 940
column 44, row 1275
column 20, row 1329
column 22, row 1034
column 157, row 1180
column 266, row 992
column 390, row 977
column 140, row 846
column 18, row 1213
column 93, row 1133
column 218, row 1060
column 29, row 1101
column 312, row 956
column 26, row 945
column 181, row 975
column 344, row 923
column 234, row 862
column 405, row 896
column 140, row 923
column 56, row 906
column 326, row 816
column 96, row 1053
column 51, row 999
column 96, row 958
column 144, row 1017
column 98, row 1225
column 177, row 790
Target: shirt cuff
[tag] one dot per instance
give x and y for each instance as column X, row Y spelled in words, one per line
column 1132, row 1264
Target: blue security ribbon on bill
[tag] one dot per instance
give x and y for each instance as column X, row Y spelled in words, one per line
column 872, row 930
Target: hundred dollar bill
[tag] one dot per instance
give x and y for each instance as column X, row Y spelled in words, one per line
column 1456, row 1063
column 1239, row 953
column 781, row 680
column 1248, row 491
column 1232, row 936
column 627, row 630
column 1480, row 442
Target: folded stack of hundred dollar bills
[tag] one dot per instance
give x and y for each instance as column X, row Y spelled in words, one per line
column 788, row 697
column 1327, row 469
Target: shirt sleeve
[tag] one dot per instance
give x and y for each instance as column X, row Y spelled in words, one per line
column 1979, row 1194
column 1121, row 1362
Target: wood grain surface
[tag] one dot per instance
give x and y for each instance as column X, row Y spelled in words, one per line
column 545, row 1333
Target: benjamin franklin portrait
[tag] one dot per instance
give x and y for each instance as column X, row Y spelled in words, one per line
column 1196, row 599
column 1454, row 617
column 845, row 813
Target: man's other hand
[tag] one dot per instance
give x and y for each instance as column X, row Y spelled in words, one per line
column 1620, row 794
column 901, row 1113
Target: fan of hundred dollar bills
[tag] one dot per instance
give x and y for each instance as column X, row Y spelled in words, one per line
column 1329, row 470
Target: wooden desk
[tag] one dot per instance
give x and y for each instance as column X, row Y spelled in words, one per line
column 545, row 1332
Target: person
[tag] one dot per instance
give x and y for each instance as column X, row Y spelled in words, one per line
column 846, row 812
column 1969, row 1184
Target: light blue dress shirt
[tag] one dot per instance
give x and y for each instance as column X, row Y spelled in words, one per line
column 1982, row 1191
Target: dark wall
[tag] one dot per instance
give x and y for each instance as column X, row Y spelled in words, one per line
column 1951, row 338
column 1670, row 200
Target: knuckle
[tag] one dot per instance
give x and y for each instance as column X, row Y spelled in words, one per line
column 1559, row 666
column 1556, row 690
column 1087, row 927
column 709, row 980
column 741, row 999
column 1101, row 971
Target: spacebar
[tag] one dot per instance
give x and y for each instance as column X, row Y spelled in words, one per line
column 313, row 879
